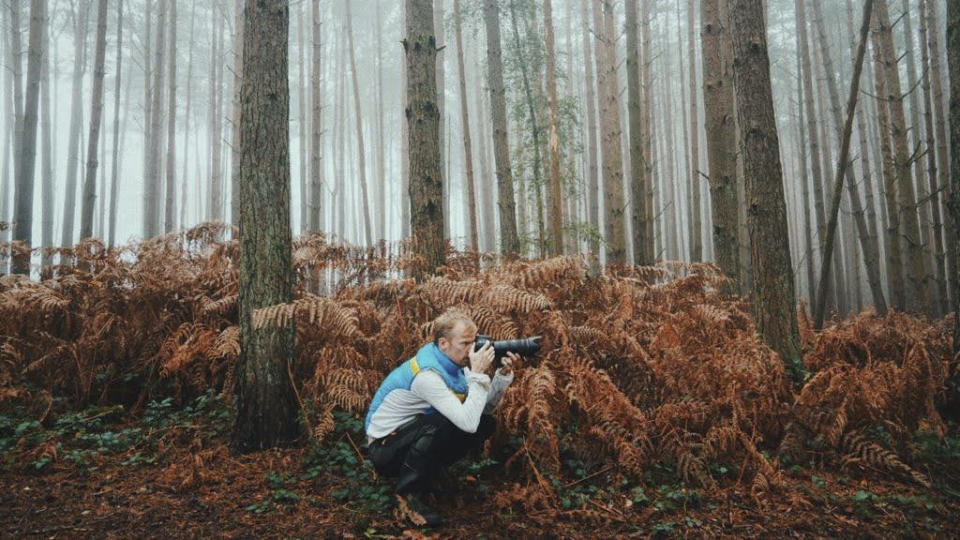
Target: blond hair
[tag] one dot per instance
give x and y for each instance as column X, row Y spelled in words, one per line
column 444, row 324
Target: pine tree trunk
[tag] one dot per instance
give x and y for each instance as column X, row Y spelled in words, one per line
column 801, row 139
column 170, row 204
column 953, row 66
column 943, row 153
column 316, row 123
column 154, row 180
column 773, row 289
column 404, row 145
column 381, row 183
column 613, row 204
column 941, row 305
column 487, row 188
column 6, row 151
column 696, row 237
column 465, row 120
column 592, row 183
column 908, row 215
column 215, row 212
column 76, row 118
column 868, row 248
column 646, row 127
column 638, row 189
column 23, row 211
column 96, row 113
column 186, row 121
column 556, row 193
column 16, row 49
column 423, row 118
column 115, row 169
column 361, row 151
column 303, row 146
column 46, row 167
column 266, row 409
column 509, row 240
column 721, row 133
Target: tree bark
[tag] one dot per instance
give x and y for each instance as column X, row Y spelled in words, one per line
column 638, row 189
column 170, row 205
column 76, row 118
column 592, row 181
column 187, row 111
column 154, row 180
column 266, row 409
column 509, row 239
column 953, row 64
column 721, row 133
column 46, row 167
column 696, row 237
column 215, row 212
column 316, row 123
column 616, row 248
column 423, row 118
column 556, row 192
column 23, row 211
column 770, row 251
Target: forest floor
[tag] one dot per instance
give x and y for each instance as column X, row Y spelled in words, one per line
column 170, row 473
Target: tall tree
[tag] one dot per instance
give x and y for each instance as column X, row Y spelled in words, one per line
column 316, row 123
column 556, row 197
column 96, row 113
column 773, row 296
column 266, row 409
column 115, row 170
column 721, row 137
column 696, row 237
column 638, row 188
column 613, row 205
column 509, row 239
column 465, row 120
column 23, row 211
column 838, row 181
column 592, row 182
column 170, row 204
column 953, row 66
column 80, row 18
column 423, row 120
column 153, row 180
column 46, row 167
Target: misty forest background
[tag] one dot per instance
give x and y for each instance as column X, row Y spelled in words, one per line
column 168, row 144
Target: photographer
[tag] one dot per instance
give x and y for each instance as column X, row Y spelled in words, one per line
column 433, row 408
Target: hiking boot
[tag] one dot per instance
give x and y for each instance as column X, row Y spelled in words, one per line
column 417, row 508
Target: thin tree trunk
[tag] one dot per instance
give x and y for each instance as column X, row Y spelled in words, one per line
column 721, row 133
column 361, row 151
column 216, row 185
column 696, row 237
column 868, row 248
column 838, row 179
column 381, row 181
column 509, row 240
column 404, row 145
column 556, row 194
column 302, row 145
column 170, row 208
column 234, row 130
column 46, row 171
column 23, row 212
column 119, row 151
column 646, row 106
column 316, row 123
column 908, row 216
column 465, row 120
column 773, row 288
column 805, row 192
column 592, row 187
column 186, row 120
column 953, row 65
column 96, row 113
column 76, row 119
column 16, row 49
column 154, row 178
column 638, row 188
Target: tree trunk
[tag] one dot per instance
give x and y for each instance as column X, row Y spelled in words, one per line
column 908, row 216
column 16, row 49
column 170, row 205
column 592, row 187
column 404, row 144
column 943, row 153
column 186, row 121
column 953, row 65
column 616, row 248
column 316, row 123
column 380, row 197
column 721, row 133
column 894, row 255
column 122, row 134
column 96, row 113
column 465, row 120
column 23, row 212
column 509, row 240
column 808, row 261
column 696, row 237
column 215, row 212
column 154, row 180
column 266, row 409
column 235, row 138
column 423, row 118
column 838, row 180
column 638, row 188
column 556, row 193
column 773, row 288
column 46, row 167
column 76, row 118
column 487, row 188
column 868, row 248
column 361, row 151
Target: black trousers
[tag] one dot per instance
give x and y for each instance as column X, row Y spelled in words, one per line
column 418, row 450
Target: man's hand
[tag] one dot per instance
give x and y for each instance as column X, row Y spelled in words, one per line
column 507, row 366
column 481, row 360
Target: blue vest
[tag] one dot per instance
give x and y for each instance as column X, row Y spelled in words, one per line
column 429, row 357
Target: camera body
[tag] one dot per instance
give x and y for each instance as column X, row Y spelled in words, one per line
column 524, row 346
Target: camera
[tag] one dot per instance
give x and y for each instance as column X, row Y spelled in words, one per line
column 523, row 346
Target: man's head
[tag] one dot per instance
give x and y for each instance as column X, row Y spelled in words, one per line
column 454, row 334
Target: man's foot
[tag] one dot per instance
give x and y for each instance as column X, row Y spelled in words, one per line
column 413, row 507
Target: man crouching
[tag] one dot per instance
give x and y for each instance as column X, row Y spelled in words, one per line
column 433, row 408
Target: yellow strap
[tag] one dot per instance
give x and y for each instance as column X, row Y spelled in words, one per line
column 414, row 367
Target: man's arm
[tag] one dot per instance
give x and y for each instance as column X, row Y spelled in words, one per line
column 497, row 388
column 429, row 386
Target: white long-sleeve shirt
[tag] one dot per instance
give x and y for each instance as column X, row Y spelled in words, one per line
column 429, row 390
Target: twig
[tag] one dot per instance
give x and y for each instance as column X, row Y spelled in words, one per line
column 607, row 508
column 296, row 393
column 534, row 466
column 601, row 471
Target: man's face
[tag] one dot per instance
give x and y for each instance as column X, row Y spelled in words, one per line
column 458, row 344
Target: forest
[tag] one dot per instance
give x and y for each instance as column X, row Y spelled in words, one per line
column 733, row 224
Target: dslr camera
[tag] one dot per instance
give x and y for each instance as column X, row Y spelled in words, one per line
column 524, row 347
